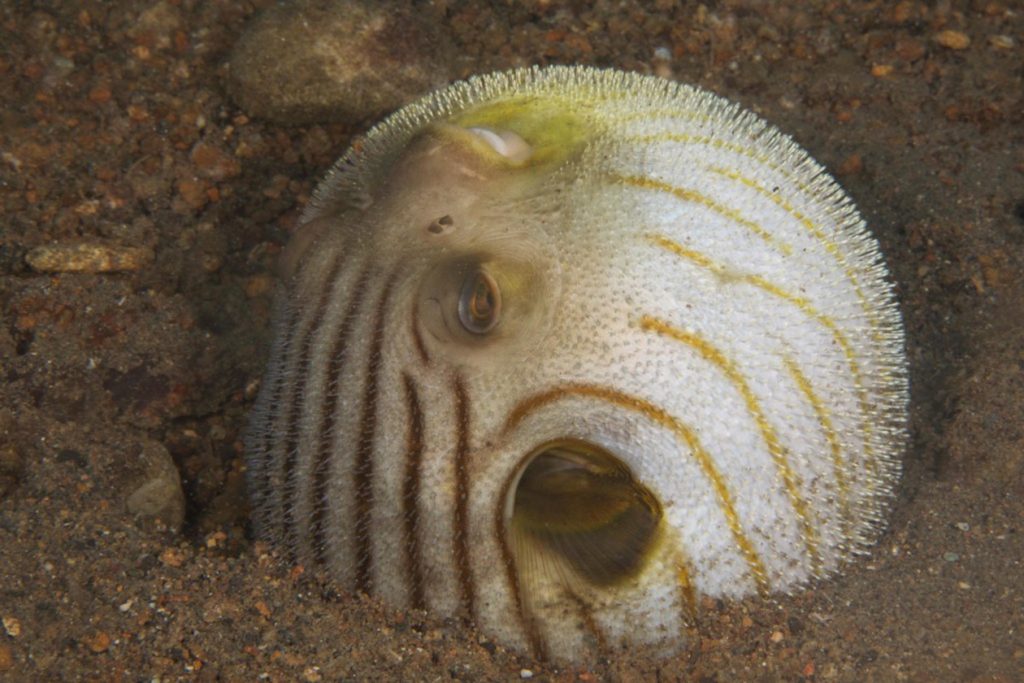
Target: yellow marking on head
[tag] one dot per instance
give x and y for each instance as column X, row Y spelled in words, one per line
column 660, row 417
column 688, row 195
column 779, row 454
column 808, row 309
column 551, row 127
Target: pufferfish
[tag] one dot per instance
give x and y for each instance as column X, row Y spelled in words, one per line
column 562, row 350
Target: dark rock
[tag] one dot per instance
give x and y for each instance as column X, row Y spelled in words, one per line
column 346, row 60
column 158, row 498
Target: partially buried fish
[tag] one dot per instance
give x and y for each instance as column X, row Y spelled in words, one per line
column 562, row 350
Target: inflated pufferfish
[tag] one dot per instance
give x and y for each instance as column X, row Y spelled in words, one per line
column 562, row 350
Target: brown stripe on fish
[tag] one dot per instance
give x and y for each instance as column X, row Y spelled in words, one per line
column 411, row 493
column 589, row 623
column 322, row 465
column 682, row 431
column 534, row 640
column 461, row 540
column 363, row 469
column 417, row 338
column 289, row 530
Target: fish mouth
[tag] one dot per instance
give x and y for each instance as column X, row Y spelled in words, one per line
column 578, row 503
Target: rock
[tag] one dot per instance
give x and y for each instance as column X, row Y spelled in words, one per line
column 214, row 163
column 12, row 626
column 157, row 25
column 87, row 258
column 159, row 496
column 97, row 641
column 1002, row 42
column 342, row 60
column 954, row 40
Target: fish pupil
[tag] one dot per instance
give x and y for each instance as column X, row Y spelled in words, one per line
column 479, row 303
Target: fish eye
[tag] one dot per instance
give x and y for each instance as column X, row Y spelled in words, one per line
column 479, row 303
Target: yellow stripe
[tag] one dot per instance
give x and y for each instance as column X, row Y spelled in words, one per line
column 833, row 249
column 718, row 143
column 867, row 429
column 764, row 159
column 688, row 195
column 830, row 246
column 687, row 590
column 825, row 420
column 808, row 309
column 660, row 417
column 778, row 453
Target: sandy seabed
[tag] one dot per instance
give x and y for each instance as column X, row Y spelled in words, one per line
column 116, row 133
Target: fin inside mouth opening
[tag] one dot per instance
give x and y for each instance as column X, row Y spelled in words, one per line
column 583, row 505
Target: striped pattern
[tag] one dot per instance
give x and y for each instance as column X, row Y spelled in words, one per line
column 683, row 291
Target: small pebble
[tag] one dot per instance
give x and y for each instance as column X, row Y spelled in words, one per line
column 776, row 636
column 963, row 526
column 954, row 40
column 213, row 162
column 172, row 557
column 262, row 608
column 87, row 258
column 258, row 285
column 98, row 642
column 852, row 165
column 12, row 626
column 216, row 539
column 525, row 674
column 950, row 557
column 193, row 193
column 1001, row 42
column 158, row 24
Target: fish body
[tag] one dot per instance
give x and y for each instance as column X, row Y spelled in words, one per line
column 562, row 350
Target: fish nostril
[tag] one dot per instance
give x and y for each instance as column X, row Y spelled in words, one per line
column 442, row 226
column 580, row 504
